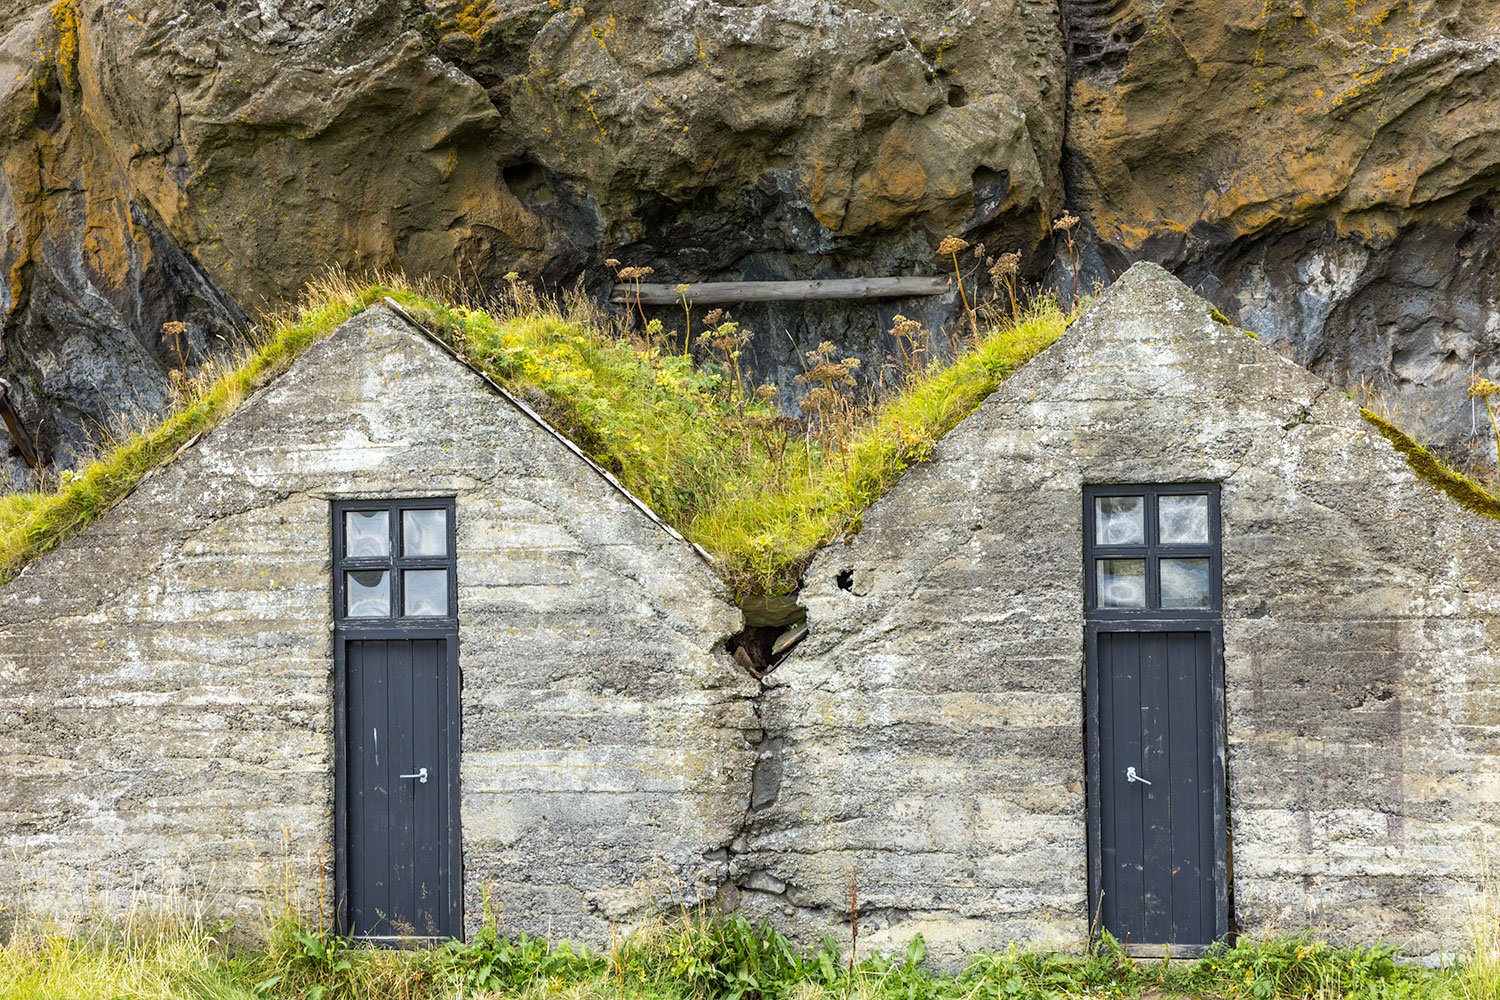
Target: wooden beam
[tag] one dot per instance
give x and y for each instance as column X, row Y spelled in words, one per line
column 18, row 435
column 706, row 293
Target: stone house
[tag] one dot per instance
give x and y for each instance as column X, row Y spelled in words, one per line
column 1164, row 639
column 180, row 713
column 1162, row 577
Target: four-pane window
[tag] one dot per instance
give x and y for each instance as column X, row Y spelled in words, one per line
column 394, row 560
column 1152, row 548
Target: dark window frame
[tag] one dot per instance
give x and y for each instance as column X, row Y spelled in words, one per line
column 1152, row 552
column 394, row 625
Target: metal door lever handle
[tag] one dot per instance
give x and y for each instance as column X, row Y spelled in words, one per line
column 1130, row 775
column 421, row 776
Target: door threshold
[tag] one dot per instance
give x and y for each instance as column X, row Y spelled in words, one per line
column 1165, row 950
column 402, row 940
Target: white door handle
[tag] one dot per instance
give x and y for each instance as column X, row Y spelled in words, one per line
column 1130, row 775
column 421, row 776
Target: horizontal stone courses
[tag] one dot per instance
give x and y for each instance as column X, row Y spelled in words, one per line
column 929, row 732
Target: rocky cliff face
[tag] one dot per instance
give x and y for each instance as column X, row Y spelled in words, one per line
column 1326, row 170
column 1322, row 170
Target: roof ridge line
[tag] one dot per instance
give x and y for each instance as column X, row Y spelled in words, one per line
column 542, row 422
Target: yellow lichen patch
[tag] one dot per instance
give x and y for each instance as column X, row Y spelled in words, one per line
column 474, row 17
column 65, row 20
column 601, row 31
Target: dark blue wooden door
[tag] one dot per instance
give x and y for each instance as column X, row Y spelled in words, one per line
column 402, row 758
column 1159, row 806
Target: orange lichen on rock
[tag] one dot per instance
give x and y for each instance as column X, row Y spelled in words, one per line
column 1249, row 114
column 65, row 22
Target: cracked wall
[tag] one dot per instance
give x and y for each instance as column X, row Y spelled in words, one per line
column 929, row 732
column 165, row 690
column 165, row 678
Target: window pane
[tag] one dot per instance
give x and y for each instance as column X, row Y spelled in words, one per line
column 425, row 592
column 1121, row 583
column 367, row 594
column 1120, row 520
column 1183, row 520
column 424, row 532
column 1184, row 583
column 367, row 533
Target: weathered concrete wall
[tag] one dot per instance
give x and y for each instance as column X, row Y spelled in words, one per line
column 165, row 686
column 930, row 732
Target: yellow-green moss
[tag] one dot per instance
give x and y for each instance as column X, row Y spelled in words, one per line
column 710, row 458
column 34, row 523
column 1219, row 318
column 712, row 462
column 1465, row 491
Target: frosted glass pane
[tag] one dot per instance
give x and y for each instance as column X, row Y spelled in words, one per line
column 1184, row 583
column 1120, row 520
column 1183, row 520
column 367, row 594
column 424, row 532
column 1121, row 583
column 367, row 533
column 425, row 592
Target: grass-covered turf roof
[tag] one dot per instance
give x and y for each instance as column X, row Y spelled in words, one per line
column 712, row 456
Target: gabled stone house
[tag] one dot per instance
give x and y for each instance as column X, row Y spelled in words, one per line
column 180, row 710
column 1161, row 577
column 1164, row 639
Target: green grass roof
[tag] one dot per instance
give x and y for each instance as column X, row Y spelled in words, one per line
column 712, row 457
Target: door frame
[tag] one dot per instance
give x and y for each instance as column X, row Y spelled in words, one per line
column 1211, row 621
column 1093, row 805
column 347, row 630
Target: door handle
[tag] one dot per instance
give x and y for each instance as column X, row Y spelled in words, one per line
column 421, row 776
column 1130, row 775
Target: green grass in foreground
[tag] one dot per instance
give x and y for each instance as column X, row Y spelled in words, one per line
column 706, row 452
column 711, row 959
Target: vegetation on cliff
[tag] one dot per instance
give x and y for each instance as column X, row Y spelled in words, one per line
column 1461, row 488
column 712, row 455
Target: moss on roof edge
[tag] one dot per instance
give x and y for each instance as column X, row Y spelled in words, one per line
column 42, row 522
column 83, row 498
column 1459, row 487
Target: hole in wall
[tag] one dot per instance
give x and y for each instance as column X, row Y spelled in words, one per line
column 957, row 96
column 845, row 579
column 773, row 628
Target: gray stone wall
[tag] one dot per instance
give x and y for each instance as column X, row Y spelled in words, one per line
column 165, row 678
column 166, row 695
column 930, row 732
